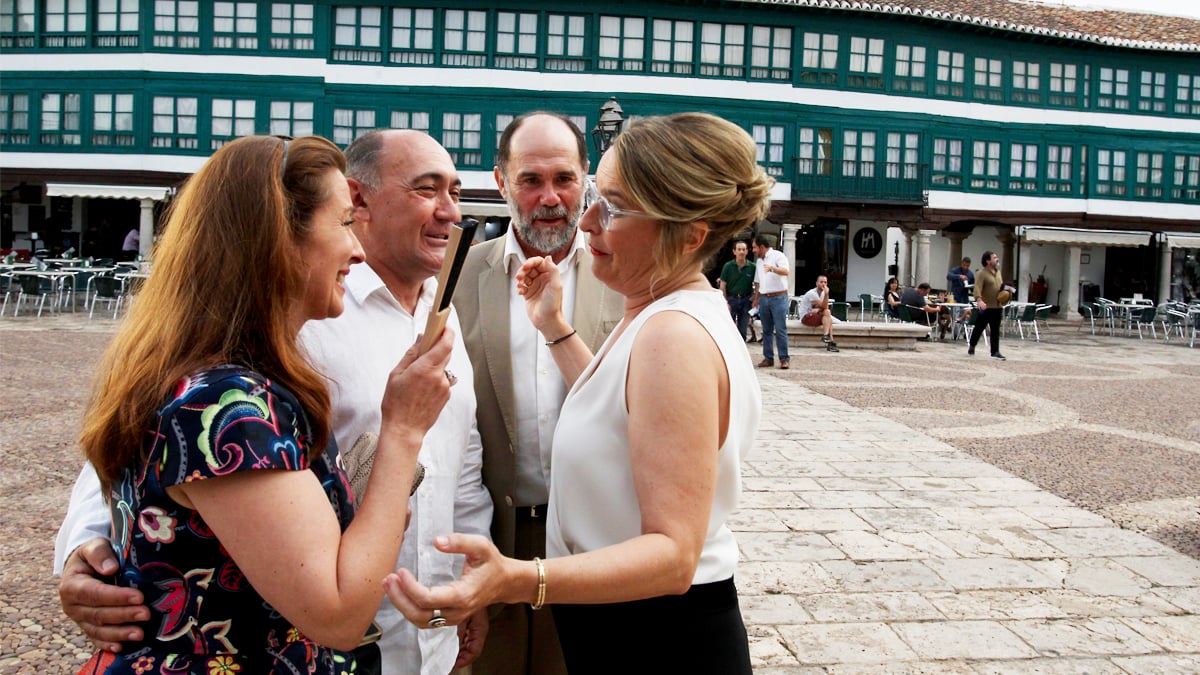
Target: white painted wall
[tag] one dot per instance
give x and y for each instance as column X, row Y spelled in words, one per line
column 866, row 275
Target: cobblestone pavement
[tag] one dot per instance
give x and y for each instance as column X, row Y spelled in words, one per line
column 905, row 512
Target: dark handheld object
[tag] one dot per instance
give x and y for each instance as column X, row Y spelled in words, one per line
column 461, row 236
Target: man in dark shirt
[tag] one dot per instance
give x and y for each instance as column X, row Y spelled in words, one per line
column 737, row 285
column 960, row 277
column 920, row 312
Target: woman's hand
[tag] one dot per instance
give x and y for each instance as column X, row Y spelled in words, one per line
column 419, row 386
column 539, row 282
column 485, row 580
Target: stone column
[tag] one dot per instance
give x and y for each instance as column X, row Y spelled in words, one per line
column 956, row 253
column 1070, row 306
column 1022, row 284
column 906, row 265
column 146, row 229
column 921, row 261
column 1164, row 273
column 1006, row 239
column 787, row 244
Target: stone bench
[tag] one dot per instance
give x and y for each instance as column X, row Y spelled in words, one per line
column 858, row 335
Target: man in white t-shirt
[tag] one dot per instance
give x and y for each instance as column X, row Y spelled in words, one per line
column 814, row 311
column 771, row 299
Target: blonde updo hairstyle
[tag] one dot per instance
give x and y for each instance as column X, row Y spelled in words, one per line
column 690, row 167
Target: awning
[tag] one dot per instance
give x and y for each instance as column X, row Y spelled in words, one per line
column 1175, row 240
column 107, row 191
column 1072, row 237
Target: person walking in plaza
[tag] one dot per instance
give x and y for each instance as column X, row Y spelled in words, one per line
column 771, row 299
column 212, row 434
column 541, row 170
column 814, row 311
column 404, row 189
column 988, row 285
column 960, row 278
column 651, row 435
column 737, row 284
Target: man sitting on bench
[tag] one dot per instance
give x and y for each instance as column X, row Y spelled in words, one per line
column 814, row 311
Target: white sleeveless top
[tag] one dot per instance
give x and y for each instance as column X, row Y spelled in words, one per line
column 593, row 503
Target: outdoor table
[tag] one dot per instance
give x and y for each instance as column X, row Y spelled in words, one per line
column 1126, row 312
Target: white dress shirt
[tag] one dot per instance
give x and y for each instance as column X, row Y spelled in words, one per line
column 357, row 351
column 538, row 385
column 770, row 282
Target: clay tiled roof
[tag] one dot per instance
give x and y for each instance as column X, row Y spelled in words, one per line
column 1107, row 27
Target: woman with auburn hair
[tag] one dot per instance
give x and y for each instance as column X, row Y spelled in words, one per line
column 210, row 431
column 647, row 450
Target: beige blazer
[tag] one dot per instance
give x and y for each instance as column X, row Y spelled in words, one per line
column 482, row 301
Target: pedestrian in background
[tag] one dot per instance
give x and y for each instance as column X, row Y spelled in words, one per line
column 988, row 285
column 737, row 284
column 771, row 299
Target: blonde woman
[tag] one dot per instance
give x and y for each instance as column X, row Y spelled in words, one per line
column 647, row 450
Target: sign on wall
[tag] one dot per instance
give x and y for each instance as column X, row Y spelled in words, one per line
column 868, row 242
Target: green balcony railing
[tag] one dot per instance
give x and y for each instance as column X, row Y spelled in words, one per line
column 866, row 182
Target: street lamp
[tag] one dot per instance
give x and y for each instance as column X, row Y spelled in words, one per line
column 612, row 122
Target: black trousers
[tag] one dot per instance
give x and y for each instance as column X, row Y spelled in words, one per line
column 698, row 632
column 988, row 319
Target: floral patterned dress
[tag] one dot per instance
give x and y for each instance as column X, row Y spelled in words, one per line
column 204, row 616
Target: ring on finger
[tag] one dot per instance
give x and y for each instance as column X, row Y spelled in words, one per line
column 451, row 378
column 437, row 620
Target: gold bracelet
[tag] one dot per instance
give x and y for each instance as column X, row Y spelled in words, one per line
column 541, row 591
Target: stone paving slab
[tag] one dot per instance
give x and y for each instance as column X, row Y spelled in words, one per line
column 914, row 557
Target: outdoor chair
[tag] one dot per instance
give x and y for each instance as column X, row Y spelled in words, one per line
column 1145, row 317
column 866, row 305
column 109, row 289
column 10, row 288
column 32, row 286
column 1027, row 316
column 839, row 310
column 1172, row 320
column 1042, row 315
column 916, row 315
column 1091, row 312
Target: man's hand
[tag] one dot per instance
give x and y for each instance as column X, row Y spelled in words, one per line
column 105, row 612
column 472, row 633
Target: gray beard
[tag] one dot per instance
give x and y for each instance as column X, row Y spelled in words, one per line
column 545, row 240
